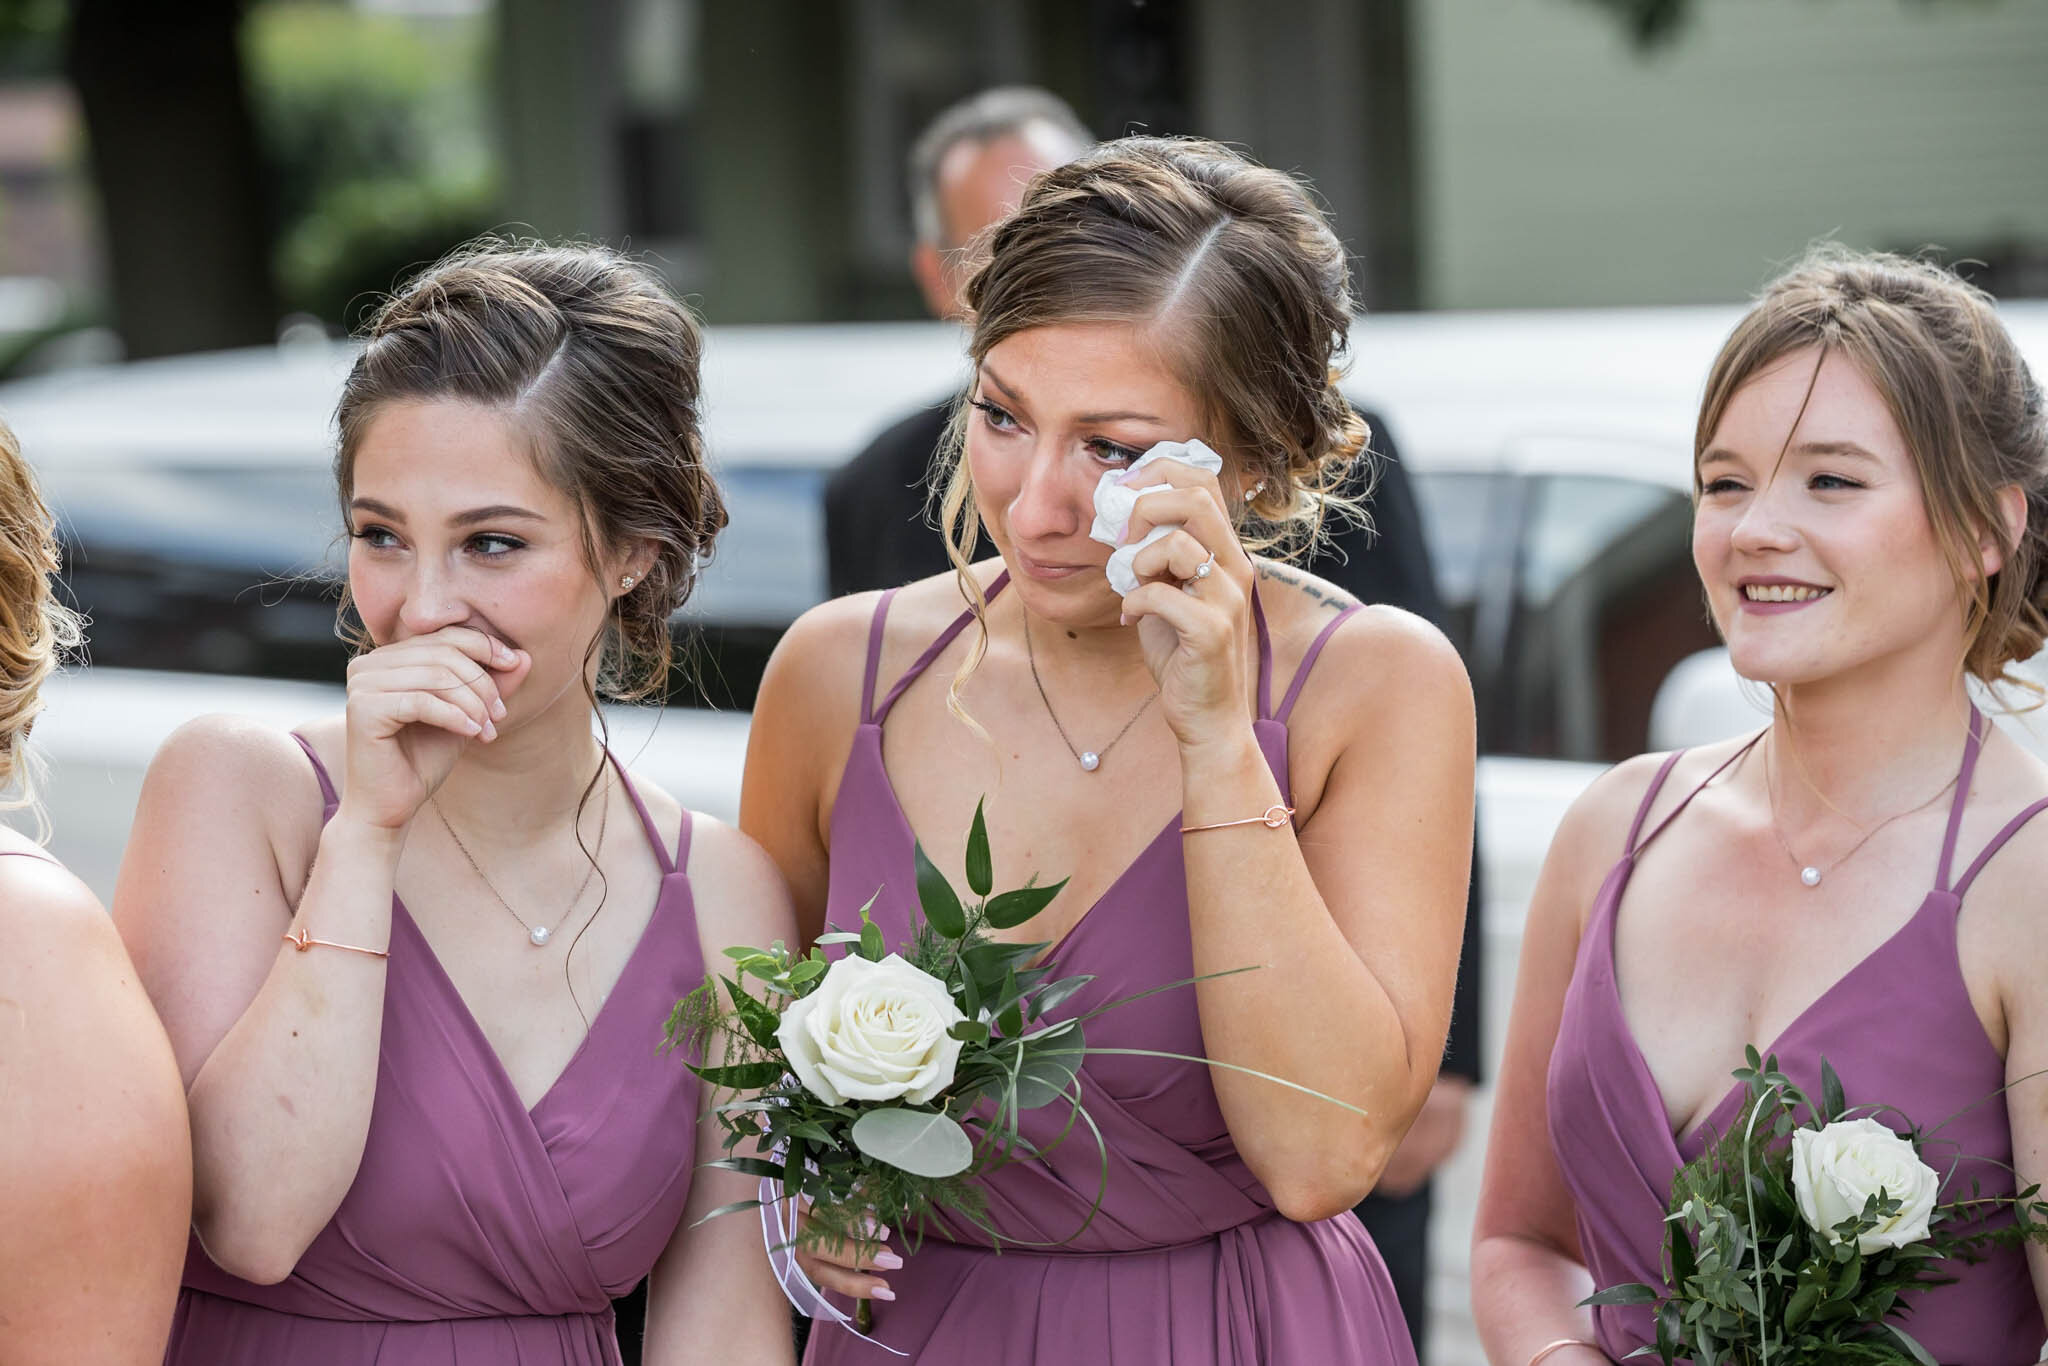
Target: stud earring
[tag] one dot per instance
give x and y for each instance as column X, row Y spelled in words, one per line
column 1255, row 490
column 627, row 581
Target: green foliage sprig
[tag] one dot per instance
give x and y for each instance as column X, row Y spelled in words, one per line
column 895, row 1161
column 1748, row 1282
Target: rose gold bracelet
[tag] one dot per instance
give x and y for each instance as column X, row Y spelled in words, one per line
column 1275, row 817
column 1547, row 1348
column 303, row 941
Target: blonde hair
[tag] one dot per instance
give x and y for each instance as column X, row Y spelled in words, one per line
column 1962, row 397
column 35, row 628
column 1250, row 288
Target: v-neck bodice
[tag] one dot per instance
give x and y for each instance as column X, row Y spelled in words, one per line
column 1898, row 1027
column 1203, row 1272
column 477, row 1228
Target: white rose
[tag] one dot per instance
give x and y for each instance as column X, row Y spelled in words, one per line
column 1837, row 1168
column 873, row 1031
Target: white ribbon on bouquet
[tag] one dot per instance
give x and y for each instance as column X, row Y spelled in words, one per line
column 780, row 1220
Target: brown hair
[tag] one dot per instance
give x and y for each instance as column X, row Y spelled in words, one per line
column 595, row 363
column 1248, row 286
column 35, row 628
column 1962, row 397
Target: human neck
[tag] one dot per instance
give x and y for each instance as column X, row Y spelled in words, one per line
column 529, row 780
column 1866, row 746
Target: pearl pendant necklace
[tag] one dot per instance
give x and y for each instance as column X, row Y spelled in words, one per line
column 1809, row 873
column 1088, row 759
column 536, row 935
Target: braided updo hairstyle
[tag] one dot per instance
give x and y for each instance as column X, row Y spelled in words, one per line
column 595, row 363
column 35, row 628
column 1970, row 412
column 1233, row 268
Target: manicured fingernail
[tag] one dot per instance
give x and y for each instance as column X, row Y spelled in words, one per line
column 888, row 1261
column 498, row 707
column 1122, row 620
column 474, row 728
column 502, row 652
column 490, row 731
column 880, row 1232
column 883, row 1292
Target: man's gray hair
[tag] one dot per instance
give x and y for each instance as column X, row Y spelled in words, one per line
column 1005, row 111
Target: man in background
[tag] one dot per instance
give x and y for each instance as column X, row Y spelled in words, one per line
column 967, row 172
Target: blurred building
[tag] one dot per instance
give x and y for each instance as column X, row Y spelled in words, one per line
column 1476, row 153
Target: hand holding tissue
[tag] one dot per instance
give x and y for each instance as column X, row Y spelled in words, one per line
column 1115, row 501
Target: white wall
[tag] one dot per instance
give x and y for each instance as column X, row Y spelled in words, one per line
column 1562, row 167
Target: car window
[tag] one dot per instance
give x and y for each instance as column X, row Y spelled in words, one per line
column 1455, row 510
column 1606, row 602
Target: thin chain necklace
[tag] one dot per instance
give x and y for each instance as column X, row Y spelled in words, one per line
column 1088, row 759
column 1810, row 873
column 537, row 935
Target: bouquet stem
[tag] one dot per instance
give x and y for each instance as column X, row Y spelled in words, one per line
column 864, row 1318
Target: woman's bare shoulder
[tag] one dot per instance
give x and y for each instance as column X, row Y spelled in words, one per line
column 823, row 657
column 77, row 1032
column 233, row 756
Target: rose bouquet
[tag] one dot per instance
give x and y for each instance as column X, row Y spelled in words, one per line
column 854, row 1077
column 1794, row 1237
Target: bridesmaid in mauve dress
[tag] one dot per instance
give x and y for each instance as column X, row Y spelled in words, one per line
column 432, row 1127
column 1856, row 883
column 1153, row 290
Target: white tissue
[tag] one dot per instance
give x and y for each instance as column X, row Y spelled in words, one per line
column 1114, row 503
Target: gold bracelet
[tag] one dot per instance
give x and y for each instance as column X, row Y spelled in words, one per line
column 1275, row 817
column 303, row 941
column 1547, row 1348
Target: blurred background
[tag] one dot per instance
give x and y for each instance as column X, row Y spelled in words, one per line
column 1554, row 210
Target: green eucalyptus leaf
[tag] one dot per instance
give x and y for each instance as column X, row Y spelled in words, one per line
column 1055, row 994
column 1622, row 1294
column 838, row 937
column 1802, row 1304
column 920, row 1142
column 980, row 871
column 808, row 971
column 1913, row 1348
column 756, row 1018
column 740, row 1076
column 734, row 1208
column 1048, row 1069
column 1833, row 1102
column 1010, row 909
column 969, row 1031
column 872, row 946
column 938, row 900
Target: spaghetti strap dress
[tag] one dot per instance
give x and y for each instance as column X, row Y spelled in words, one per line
column 1187, row 1261
column 479, row 1232
column 1898, row 1028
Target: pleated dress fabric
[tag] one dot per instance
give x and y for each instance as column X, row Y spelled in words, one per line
column 1898, row 1028
column 479, row 1232
column 1187, row 1261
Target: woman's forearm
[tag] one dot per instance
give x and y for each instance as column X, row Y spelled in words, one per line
column 1313, row 1013
column 1525, row 1296
column 281, row 1107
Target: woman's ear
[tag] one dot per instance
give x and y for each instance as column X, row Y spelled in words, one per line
column 2012, row 511
column 631, row 566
